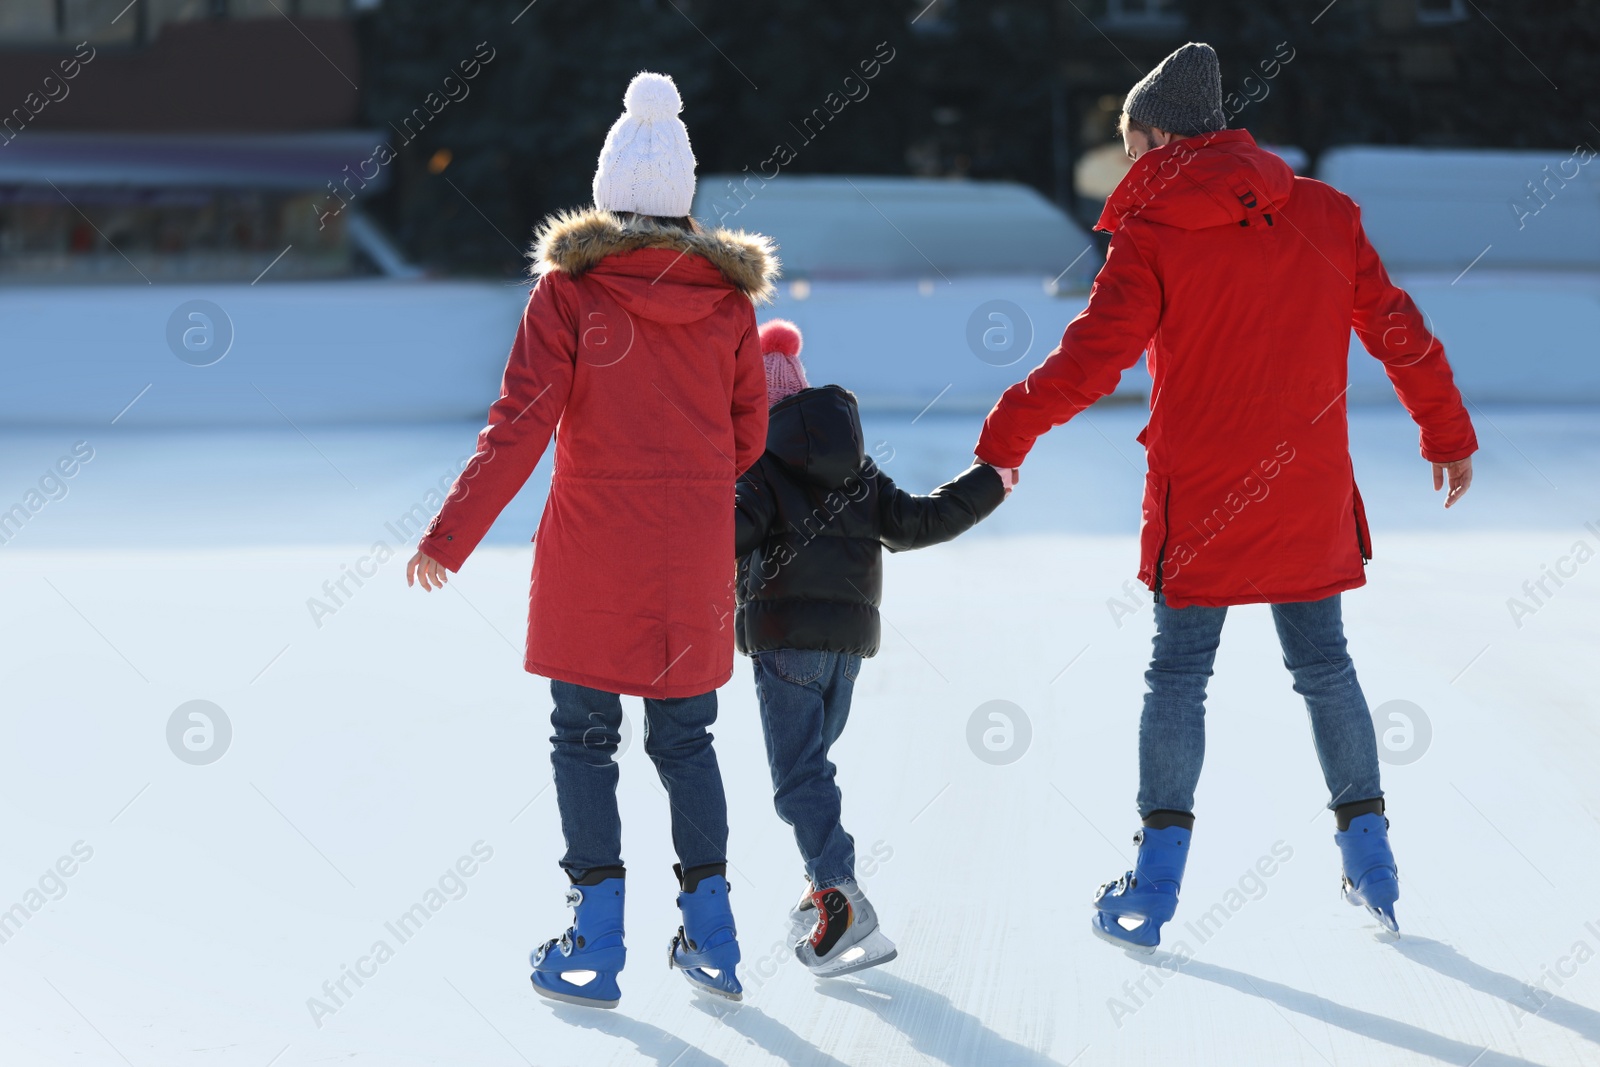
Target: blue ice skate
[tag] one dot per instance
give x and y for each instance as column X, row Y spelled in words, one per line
column 1130, row 911
column 581, row 966
column 1371, row 878
column 706, row 946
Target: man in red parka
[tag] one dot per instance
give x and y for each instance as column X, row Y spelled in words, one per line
column 1240, row 282
column 639, row 352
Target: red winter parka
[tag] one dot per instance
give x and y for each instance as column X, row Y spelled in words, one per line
column 639, row 352
column 1241, row 282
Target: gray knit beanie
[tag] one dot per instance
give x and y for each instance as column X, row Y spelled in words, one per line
column 1182, row 95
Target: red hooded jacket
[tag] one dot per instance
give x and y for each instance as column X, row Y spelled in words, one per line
column 639, row 352
column 1241, row 282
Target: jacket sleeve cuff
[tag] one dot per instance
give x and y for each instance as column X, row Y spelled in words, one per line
column 1454, row 456
column 998, row 457
column 441, row 547
column 988, row 491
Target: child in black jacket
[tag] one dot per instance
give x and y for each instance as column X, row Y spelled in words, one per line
column 813, row 516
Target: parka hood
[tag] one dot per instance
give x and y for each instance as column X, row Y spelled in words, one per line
column 816, row 433
column 1215, row 179
column 655, row 271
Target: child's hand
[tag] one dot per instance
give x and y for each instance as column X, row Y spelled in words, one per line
column 1009, row 476
column 426, row 569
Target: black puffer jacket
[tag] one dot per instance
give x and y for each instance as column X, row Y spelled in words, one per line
column 813, row 516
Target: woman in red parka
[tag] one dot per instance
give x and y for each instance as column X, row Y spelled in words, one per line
column 1240, row 283
column 639, row 352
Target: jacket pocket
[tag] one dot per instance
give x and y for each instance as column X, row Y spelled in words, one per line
column 1363, row 533
column 799, row 666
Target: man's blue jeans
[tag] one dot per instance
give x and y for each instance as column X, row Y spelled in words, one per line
column 805, row 702
column 587, row 726
column 1172, row 734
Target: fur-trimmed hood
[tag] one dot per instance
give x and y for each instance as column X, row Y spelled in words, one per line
column 573, row 242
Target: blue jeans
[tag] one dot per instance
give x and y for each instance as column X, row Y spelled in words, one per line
column 1172, row 733
column 587, row 726
column 805, row 702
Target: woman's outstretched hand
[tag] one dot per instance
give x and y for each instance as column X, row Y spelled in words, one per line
column 1458, row 475
column 429, row 571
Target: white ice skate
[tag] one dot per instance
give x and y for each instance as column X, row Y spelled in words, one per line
column 845, row 937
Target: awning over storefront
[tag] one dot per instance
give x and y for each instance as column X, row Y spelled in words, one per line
column 302, row 162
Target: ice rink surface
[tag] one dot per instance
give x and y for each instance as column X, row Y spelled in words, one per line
column 210, row 907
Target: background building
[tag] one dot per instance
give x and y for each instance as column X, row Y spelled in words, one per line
column 1016, row 90
column 182, row 140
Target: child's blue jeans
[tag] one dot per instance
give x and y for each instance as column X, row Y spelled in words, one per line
column 587, row 726
column 805, row 702
column 1172, row 732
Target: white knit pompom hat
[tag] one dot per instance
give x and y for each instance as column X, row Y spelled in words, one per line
column 647, row 165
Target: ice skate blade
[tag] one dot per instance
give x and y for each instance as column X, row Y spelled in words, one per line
column 705, row 989
column 569, row 998
column 1391, row 925
column 860, row 963
column 1384, row 915
column 1109, row 938
column 868, row 952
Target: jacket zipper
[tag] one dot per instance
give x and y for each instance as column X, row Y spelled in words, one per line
column 1166, row 535
column 1361, row 542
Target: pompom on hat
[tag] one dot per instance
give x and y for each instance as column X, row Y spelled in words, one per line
column 780, row 350
column 647, row 165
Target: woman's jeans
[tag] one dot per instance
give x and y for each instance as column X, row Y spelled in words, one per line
column 1172, row 736
column 805, row 702
column 587, row 726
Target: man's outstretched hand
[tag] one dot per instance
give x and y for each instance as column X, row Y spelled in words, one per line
column 431, row 573
column 1459, row 475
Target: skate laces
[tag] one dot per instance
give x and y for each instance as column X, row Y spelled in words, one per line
column 820, row 930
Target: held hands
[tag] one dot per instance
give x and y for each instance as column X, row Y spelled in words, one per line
column 1460, row 479
column 1009, row 476
column 428, row 570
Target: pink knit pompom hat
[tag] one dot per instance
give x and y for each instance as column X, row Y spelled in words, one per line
column 780, row 350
